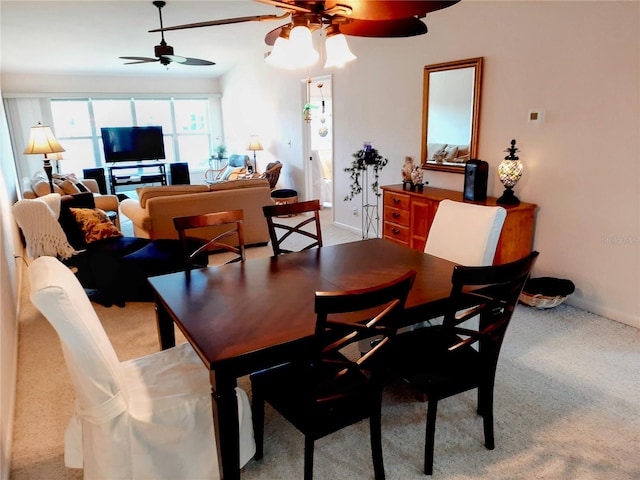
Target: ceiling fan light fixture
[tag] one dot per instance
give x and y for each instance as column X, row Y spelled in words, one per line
column 338, row 52
column 300, row 49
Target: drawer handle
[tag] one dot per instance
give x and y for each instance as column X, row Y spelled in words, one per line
column 395, row 200
column 395, row 231
column 395, row 214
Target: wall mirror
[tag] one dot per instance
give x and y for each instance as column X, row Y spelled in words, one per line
column 450, row 114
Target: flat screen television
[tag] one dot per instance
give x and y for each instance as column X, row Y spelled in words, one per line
column 132, row 144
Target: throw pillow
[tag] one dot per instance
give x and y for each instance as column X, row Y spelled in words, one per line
column 95, row 224
column 67, row 186
column 41, row 187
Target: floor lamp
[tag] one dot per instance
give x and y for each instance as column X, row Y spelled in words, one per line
column 43, row 141
column 254, row 144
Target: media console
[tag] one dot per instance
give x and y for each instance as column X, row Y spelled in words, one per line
column 136, row 174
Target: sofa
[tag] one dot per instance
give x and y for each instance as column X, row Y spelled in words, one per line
column 447, row 153
column 153, row 212
column 38, row 186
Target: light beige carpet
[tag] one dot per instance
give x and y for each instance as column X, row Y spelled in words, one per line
column 567, row 406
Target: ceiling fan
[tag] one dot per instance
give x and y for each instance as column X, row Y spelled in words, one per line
column 363, row 18
column 164, row 53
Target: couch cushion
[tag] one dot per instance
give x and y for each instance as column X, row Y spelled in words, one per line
column 241, row 183
column 146, row 193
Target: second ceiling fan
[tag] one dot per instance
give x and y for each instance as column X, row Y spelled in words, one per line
column 163, row 52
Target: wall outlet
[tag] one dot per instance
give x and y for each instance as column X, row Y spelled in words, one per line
column 356, row 212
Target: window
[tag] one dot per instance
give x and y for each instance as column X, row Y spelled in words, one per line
column 186, row 125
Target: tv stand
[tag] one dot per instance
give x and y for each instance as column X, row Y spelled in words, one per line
column 137, row 174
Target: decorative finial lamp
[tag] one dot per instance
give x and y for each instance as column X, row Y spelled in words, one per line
column 254, row 144
column 42, row 140
column 509, row 172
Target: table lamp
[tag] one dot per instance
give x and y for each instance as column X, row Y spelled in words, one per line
column 42, row 140
column 254, row 144
column 509, row 172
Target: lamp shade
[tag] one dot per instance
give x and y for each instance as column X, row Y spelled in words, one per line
column 338, row 52
column 42, row 140
column 254, row 143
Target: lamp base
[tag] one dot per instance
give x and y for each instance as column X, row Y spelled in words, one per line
column 508, row 198
column 48, row 169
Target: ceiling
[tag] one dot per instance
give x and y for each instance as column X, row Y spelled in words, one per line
column 86, row 37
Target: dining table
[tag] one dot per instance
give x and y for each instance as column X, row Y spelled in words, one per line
column 247, row 316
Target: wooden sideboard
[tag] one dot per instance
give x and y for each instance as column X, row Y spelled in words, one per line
column 408, row 215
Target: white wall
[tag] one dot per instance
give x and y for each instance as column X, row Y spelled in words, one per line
column 10, row 274
column 578, row 61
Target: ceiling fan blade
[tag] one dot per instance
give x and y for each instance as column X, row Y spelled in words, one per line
column 389, row 9
column 289, row 5
column 401, row 27
column 191, row 61
column 224, row 21
column 139, row 60
column 270, row 38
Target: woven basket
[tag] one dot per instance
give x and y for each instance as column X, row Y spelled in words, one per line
column 546, row 292
column 541, row 301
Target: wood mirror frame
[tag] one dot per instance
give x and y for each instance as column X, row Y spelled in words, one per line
column 458, row 121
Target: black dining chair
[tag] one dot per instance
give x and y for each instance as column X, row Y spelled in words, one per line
column 231, row 227
column 284, row 236
column 445, row 360
column 333, row 387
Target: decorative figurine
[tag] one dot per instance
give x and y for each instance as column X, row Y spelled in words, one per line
column 417, row 178
column 407, row 170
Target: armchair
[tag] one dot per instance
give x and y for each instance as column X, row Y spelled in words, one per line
column 236, row 165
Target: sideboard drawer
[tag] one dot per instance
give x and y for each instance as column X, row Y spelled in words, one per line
column 396, row 232
column 396, row 200
column 395, row 215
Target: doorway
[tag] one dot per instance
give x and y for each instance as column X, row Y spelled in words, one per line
column 318, row 138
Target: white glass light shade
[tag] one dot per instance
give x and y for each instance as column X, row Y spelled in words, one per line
column 509, row 172
column 279, row 56
column 42, row 140
column 338, row 52
column 301, row 52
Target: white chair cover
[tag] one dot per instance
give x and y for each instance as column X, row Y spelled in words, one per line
column 465, row 233
column 146, row 418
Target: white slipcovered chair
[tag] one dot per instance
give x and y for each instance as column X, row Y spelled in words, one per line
column 465, row 233
column 146, row 418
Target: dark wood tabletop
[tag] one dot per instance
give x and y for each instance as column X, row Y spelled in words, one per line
column 243, row 317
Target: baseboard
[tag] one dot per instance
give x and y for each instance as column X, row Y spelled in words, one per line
column 610, row 313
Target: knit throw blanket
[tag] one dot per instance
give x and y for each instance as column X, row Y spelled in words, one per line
column 38, row 220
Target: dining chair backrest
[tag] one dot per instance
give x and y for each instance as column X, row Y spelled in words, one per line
column 91, row 360
column 465, row 233
column 230, row 237
column 287, row 238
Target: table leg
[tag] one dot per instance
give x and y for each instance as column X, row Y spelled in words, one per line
column 225, row 421
column 166, row 332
